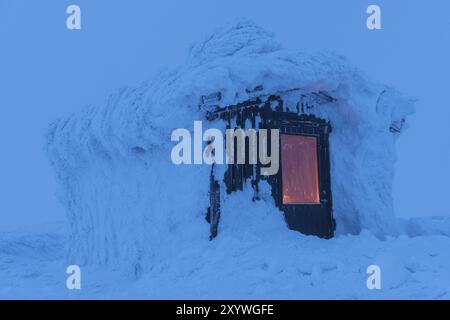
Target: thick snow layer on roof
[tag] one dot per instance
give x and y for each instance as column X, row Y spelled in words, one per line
column 126, row 200
column 239, row 57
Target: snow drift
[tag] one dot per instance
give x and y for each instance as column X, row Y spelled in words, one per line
column 128, row 205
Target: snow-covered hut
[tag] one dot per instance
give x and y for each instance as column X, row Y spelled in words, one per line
column 127, row 202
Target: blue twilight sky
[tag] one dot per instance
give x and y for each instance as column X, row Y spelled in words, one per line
column 47, row 71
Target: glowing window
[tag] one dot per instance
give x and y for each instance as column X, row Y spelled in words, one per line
column 300, row 175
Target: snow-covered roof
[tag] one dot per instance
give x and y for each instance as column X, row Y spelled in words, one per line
column 233, row 60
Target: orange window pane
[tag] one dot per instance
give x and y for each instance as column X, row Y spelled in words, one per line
column 299, row 169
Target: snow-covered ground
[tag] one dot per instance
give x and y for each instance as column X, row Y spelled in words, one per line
column 267, row 263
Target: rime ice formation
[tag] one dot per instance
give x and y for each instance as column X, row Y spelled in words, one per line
column 127, row 204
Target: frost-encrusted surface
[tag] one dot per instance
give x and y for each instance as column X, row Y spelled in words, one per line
column 244, row 263
column 129, row 205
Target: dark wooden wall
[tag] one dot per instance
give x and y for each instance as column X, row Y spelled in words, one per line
column 310, row 219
